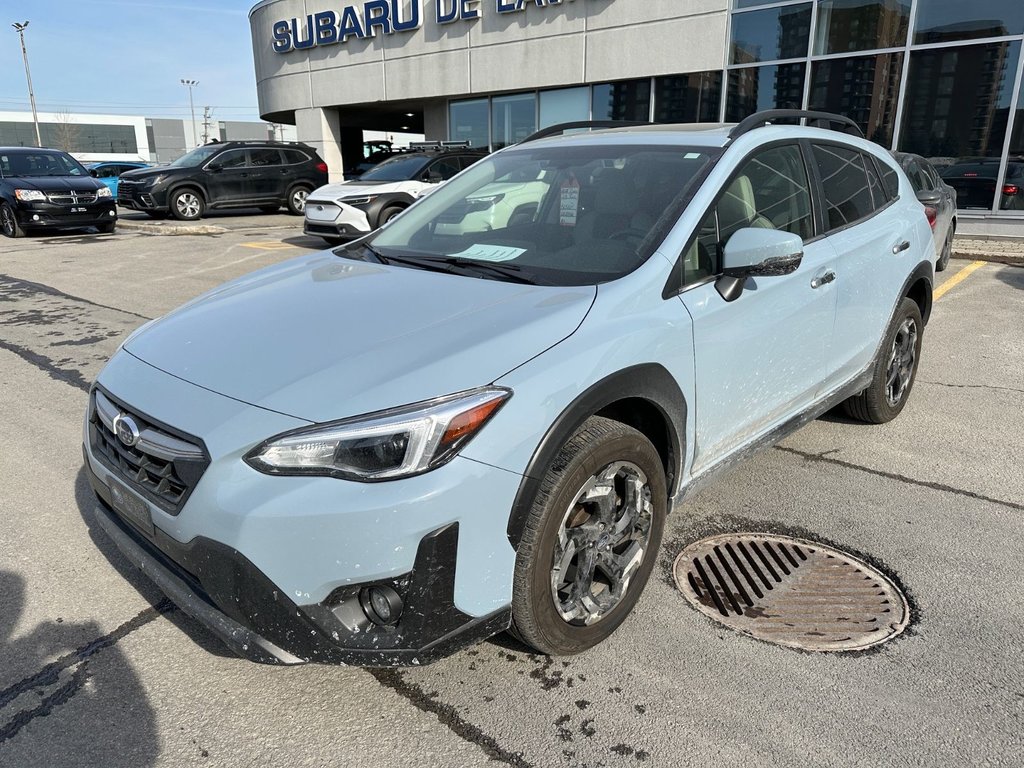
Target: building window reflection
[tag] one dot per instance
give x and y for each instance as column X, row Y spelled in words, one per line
column 752, row 89
column 864, row 88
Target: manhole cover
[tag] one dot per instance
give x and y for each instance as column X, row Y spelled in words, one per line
column 791, row 592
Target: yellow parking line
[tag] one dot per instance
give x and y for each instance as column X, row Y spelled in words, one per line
column 956, row 279
column 268, row 246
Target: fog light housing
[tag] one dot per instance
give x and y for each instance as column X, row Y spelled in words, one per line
column 111, row 213
column 382, row 605
column 35, row 217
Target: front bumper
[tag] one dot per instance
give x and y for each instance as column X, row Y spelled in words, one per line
column 140, row 197
column 45, row 215
column 338, row 221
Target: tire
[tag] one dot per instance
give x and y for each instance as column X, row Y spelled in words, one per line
column 269, row 209
column 9, row 222
column 388, row 214
column 879, row 403
column 601, row 450
column 107, row 227
column 187, row 205
column 297, row 200
column 947, row 252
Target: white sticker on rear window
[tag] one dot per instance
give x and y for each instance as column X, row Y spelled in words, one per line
column 570, row 202
column 484, row 252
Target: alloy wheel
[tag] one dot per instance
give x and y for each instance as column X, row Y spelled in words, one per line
column 901, row 362
column 188, row 205
column 7, row 217
column 299, row 199
column 602, row 541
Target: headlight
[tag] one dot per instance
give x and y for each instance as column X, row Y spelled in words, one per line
column 28, row 195
column 103, row 192
column 361, row 200
column 386, row 445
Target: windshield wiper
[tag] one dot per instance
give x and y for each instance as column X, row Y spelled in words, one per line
column 510, row 272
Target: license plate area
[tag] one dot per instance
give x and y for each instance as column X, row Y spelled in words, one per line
column 130, row 506
column 79, row 210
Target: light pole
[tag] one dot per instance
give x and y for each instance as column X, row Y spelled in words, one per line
column 190, row 84
column 28, row 76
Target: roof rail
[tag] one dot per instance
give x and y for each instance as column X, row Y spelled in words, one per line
column 554, row 130
column 819, row 119
column 421, row 146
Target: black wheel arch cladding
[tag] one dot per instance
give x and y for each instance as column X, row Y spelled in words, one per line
column 645, row 397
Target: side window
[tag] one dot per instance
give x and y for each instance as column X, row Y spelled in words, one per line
column 294, row 156
column 467, row 160
column 933, row 177
column 260, row 157
column 890, row 180
column 875, row 183
column 446, row 167
column 107, row 172
column 844, row 184
column 770, row 191
column 234, row 158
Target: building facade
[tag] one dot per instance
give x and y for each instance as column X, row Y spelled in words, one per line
column 940, row 78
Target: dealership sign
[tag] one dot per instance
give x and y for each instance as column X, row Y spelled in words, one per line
column 384, row 17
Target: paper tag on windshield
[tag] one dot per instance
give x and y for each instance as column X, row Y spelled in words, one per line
column 483, row 252
column 570, row 203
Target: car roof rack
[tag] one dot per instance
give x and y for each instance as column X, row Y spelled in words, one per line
column 818, row 119
column 438, row 146
column 555, row 130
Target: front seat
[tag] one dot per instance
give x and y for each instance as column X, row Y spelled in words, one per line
column 737, row 210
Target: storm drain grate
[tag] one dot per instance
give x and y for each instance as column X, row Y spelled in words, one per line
column 791, row 592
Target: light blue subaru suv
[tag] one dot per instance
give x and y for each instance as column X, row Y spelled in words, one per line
column 477, row 418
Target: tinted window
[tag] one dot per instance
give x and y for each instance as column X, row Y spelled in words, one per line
column 943, row 20
column 774, row 33
column 401, row 168
column 262, row 156
column 890, row 181
column 770, row 191
column 33, row 164
column 875, row 183
column 688, row 98
column 753, row 89
column 107, row 171
column 864, row 88
column 844, row 185
column 858, row 25
column 445, row 167
column 196, row 157
column 623, row 101
column 293, row 156
column 234, row 158
column 469, row 121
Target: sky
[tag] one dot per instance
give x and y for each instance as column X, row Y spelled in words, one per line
column 129, row 56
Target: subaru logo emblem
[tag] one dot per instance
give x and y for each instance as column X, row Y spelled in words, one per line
column 127, row 430
column 319, row 207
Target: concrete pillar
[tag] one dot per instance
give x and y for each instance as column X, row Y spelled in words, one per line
column 321, row 129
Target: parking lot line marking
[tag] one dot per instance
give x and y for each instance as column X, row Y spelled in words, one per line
column 268, row 246
column 956, row 279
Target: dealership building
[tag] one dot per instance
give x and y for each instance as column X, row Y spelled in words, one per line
column 940, row 78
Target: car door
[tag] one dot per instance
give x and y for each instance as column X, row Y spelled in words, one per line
column 269, row 176
column 759, row 359
column 228, row 177
column 872, row 240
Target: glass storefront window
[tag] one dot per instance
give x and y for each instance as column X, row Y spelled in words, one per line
column 774, row 33
column 1012, row 193
column 630, row 100
column 692, row 98
column 741, row 4
column 955, row 114
column 940, row 21
column 864, row 88
column 468, row 121
column 752, row 89
column 513, row 118
column 566, row 105
column 859, row 25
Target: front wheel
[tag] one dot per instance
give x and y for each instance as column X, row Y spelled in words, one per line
column 894, row 370
column 187, row 205
column 297, row 201
column 591, row 539
column 9, row 222
column 389, row 213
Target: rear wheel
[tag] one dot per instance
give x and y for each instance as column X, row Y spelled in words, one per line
column 947, row 252
column 187, row 205
column 297, row 200
column 894, row 371
column 591, row 539
column 9, row 222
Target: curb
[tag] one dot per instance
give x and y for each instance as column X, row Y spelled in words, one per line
column 1010, row 259
column 170, row 229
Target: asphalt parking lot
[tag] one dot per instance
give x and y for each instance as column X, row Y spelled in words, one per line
column 97, row 669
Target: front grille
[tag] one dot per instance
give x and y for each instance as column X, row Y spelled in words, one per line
column 72, row 198
column 162, row 466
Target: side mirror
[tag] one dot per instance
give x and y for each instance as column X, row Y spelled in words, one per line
column 94, row 173
column 930, row 198
column 215, row 167
column 753, row 252
column 433, row 178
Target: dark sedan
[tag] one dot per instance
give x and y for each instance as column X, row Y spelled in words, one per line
column 44, row 189
column 939, row 200
column 975, row 182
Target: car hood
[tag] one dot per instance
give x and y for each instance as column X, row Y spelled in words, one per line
column 350, row 188
column 322, row 337
column 55, row 183
column 138, row 174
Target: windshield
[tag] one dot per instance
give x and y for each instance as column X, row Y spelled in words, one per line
column 576, row 215
column 36, row 164
column 196, row 157
column 396, row 169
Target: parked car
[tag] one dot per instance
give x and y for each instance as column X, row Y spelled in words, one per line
column 232, row 174
column 110, row 172
column 351, row 209
column 380, row 454
column 939, row 201
column 46, row 189
column 975, row 183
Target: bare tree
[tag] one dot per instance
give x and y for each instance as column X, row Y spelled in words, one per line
column 66, row 132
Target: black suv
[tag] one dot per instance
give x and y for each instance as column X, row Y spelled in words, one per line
column 232, row 174
column 49, row 189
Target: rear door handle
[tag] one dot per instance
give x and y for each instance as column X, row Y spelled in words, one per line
column 828, row 277
column 898, row 249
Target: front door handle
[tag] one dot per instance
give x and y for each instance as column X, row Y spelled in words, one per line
column 898, row 249
column 825, row 279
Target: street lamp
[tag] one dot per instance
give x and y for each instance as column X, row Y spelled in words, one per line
column 190, row 84
column 28, row 76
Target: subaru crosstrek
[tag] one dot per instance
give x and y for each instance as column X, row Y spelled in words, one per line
column 380, row 454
